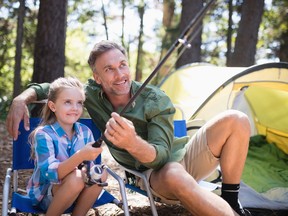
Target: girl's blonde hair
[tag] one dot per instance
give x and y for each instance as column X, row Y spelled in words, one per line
column 47, row 116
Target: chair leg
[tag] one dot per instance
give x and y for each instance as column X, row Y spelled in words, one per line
column 151, row 199
column 6, row 192
column 147, row 187
column 122, row 190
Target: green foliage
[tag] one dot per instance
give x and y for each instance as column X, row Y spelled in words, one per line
column 4, row 107
column 85, row 27
column 77, row 55
column 272, row 28
column 8, row 24
column 7, row 37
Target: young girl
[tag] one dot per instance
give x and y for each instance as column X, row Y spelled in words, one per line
column 60, row 144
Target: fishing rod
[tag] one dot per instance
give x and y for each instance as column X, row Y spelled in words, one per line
column 182, row 40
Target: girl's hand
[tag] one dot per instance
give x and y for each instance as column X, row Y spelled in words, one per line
column 89, row 152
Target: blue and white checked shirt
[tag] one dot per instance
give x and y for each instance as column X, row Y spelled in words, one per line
column 52, row 146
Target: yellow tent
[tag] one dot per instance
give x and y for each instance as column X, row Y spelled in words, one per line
column 202, row 91
column 260, row 91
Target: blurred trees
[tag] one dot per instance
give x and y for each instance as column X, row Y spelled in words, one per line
column 247, row 34
column 67, row 30
column 140, row 53
column 275, row 31
column 18, row 51
column 189, row 12
column 49, row 53
column 168, row 33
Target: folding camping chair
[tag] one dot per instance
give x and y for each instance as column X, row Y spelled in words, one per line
column 180, row 129
column 20, row 202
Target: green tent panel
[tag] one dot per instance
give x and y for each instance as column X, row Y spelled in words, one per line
column 270, row 111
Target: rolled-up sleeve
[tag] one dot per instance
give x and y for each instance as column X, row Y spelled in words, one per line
column 45, row 154
column 160, row 131
column 41, row 90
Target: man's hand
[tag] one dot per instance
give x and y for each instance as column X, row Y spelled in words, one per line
column 120, row 131
column 18, row 111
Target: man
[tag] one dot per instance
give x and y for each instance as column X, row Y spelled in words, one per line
column 142, row 138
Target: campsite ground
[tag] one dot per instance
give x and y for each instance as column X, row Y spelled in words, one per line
column 139, row 205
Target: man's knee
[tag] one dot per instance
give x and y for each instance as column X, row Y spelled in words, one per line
column 171, row 173
column 238, row 121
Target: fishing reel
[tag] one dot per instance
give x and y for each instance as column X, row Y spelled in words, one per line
column 94, row 174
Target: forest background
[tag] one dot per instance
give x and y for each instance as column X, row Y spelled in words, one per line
column 42, row 40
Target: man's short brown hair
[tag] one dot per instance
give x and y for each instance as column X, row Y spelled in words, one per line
column 100, row 48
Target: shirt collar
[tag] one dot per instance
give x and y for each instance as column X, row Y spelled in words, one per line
column 133, row 90
column 60, row 131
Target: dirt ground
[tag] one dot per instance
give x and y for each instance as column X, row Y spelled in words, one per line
column 138, row 204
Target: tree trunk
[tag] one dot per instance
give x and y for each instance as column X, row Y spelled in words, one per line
column 189, row 11
column 229, row 32
column 105, row 20
column 49, row 54
column 283, row 50
column 168, row 38
column 139, row 64
column 168, row 14
column 247, row 34
column 18, row 55
column 123, row 22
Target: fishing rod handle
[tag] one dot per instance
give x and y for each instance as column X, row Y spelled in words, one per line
column 98, row 142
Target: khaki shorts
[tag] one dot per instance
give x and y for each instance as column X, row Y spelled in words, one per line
column 198, row 161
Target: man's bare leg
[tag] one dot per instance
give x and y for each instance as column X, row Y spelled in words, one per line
column 174, row 182
column 228, row 139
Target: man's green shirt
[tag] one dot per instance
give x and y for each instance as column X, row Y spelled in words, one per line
column 151, row 113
